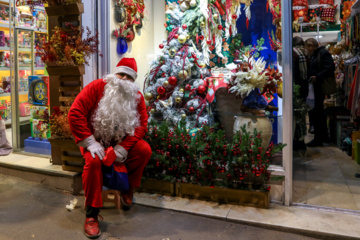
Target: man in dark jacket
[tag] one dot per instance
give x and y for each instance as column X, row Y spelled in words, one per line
column 301, row 63
column 321, row 66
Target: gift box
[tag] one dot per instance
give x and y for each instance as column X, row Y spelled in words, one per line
column 24, row 109
column 39, row 112
column 23, row 85
column 4, row 110
column 40, row 129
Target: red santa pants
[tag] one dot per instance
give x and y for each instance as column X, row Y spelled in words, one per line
column 138, row 156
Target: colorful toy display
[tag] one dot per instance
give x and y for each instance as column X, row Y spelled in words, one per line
column 39, row 112
column 38, row 90
column 24, row 109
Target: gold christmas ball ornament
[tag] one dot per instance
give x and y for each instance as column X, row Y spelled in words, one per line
column 148, row 96
column 181, row 90
column 202, row 24
column 182, row 38
column 152, row 111
column 216, row 16
column 183, row 116
column 178, row 99
column 182, row 74
column 202, row 65
column 172, row 52
column 166, row 83
column 280, row 89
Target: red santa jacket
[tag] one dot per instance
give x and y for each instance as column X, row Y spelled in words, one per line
column 84, row 107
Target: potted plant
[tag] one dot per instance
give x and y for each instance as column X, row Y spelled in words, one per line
column 68, row 48
column 204, row 165
column 64, row 151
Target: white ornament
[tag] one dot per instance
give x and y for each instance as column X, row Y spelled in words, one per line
column 184, row 6
column 193, row 3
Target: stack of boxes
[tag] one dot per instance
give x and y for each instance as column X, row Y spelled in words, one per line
column 39, row 113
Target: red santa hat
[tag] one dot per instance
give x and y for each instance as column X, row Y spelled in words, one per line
column 128, row 66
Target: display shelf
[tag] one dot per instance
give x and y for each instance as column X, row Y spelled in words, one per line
column 30, row 28
column 4, row 1
column 4, row 49
column 5, row 25
column 23, row 120
column 8, row 94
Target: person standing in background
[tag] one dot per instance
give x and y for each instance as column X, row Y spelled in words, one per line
column 301, row 63
column 321, row 65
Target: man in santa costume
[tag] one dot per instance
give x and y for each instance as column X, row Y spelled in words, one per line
column 110, row 114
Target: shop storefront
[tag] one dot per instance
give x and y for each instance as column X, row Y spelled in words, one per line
column 173, row 81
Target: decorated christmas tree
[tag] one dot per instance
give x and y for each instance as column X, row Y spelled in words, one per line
column 176, row 87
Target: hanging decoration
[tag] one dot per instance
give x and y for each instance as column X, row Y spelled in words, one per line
column 129, row 14
column 233, row 11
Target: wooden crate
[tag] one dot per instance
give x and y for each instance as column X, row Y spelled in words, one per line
column 66, row 70
column 157, row 186
column 61, row 10
column 259, row 199
column 66, row 153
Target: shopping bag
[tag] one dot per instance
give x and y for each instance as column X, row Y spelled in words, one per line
column 5, row 147
column 115, row 175
column 328, row 85
column 310, row 100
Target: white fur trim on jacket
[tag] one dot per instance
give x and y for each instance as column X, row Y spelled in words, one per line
column 121, row 150
column 87, row 141
column 127, row 70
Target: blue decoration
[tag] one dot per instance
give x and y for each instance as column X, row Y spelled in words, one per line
column 122, row 46
column 254, row 100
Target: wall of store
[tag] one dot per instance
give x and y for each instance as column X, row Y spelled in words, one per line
column 145, row 46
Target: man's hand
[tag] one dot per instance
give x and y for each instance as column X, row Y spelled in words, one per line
column 121, row 154
column 312, row 79
column 96, row 148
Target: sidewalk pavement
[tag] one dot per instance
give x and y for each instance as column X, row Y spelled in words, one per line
column 30, row 210
column 327, row 223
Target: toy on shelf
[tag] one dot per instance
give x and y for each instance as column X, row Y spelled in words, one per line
column 24, row 109
column 23, row 85
column 38, row 90
column 39, row 112
column 4, row 109
column 40, row 129
column 6, row 84
column 40, row 19
column 4, row 13
column 24, row 17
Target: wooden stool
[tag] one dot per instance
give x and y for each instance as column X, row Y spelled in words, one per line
column 112, row 196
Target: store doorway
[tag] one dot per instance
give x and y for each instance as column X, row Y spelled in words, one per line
column 327, row 175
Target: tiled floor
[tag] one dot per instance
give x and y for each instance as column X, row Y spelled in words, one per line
column 325, row 176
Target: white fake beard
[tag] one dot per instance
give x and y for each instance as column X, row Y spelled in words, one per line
column 116, row 115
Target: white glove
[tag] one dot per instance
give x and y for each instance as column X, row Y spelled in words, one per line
column 93, row 146
column 121, row 154
column 96, row 148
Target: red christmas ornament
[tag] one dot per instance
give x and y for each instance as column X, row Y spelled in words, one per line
column 184, row 26
column 161, row 90
column 172, row 80
column 201, row 89
column 161, row 46
column 208, row 41
column 201, row 37
column 234, row 16
column 220, row 27
column 191, row 109
column 176, row 36
column 188, row 87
